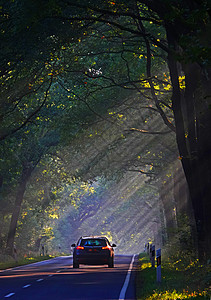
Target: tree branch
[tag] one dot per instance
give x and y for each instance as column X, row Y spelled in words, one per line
column 149, row 132
column 148, row 69
column 28, row 119
column 142, row 172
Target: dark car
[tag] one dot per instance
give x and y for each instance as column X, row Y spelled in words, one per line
column 93, row 251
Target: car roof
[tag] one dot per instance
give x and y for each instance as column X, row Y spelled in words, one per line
column 93, row 237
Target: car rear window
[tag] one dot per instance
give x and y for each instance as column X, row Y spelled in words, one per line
column 93, row 242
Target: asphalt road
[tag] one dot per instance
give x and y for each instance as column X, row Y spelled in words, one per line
column 55, row 279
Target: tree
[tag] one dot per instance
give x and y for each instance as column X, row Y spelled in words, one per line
column 29, row 160
column 193, row 122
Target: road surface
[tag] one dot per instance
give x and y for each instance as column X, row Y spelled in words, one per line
column 55, row 279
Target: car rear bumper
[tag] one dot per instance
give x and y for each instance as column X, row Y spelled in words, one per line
column 92, row 260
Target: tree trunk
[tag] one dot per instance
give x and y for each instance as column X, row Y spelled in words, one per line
column 164, row 237
column 26, row 173
column 181, row 192
column 193, row 126
column 183, row 202
column 168, row 204
column 203, row 118
column 193, row 139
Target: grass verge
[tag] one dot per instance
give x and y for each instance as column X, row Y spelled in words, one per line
column 179, row 281
column 22, row 261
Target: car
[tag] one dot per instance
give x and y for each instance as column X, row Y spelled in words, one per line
column 93, row 250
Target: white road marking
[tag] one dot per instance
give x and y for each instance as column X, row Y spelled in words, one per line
column 50, row 275
column 39, row 280
column 9, row 295
column 25, row 286
column 58, row 271
column 127, row 279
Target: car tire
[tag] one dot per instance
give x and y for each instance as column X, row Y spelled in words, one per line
column 75, row 265
column 111, row 262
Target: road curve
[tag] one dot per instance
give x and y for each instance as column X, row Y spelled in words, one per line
column 55, row 279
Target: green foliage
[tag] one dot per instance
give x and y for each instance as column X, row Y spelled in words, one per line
column 176, row 283
column 181, row 244
column 6, row 262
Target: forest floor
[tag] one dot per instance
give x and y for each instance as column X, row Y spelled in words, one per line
column 179, row 280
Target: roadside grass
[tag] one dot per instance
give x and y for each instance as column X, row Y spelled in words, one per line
column 22, row 261
column 179, row 280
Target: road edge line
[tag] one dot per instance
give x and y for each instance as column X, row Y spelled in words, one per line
column 127, row 279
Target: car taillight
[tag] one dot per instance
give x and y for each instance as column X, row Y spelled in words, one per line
column 107, row 247
column 79, row 248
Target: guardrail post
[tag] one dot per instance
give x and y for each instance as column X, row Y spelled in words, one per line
column 158, row 256
column 145, row 247
column 148, row 248
column 152, row 255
